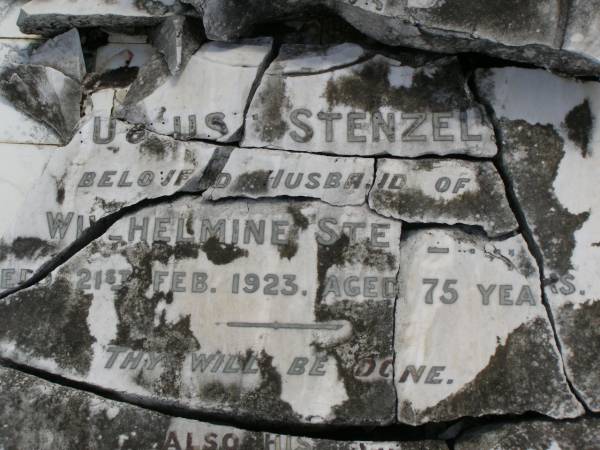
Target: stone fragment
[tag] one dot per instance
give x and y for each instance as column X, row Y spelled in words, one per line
column 62, row 53
column 528, row 31
column 47, row 416
column 177, row 40
column 551, row 155
column 256, row 173
column 443, row 191
column 22, row 165
column 246, row 309
column 16, row 126
column 50, row 18
column 46, row 95
column 535, row 435
column 208, row 99
column 472, row 335
column 106, row 167
column 342, row 100
column 9, row 12
column 116, row 55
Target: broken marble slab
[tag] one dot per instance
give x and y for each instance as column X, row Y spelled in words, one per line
column 62, row 53
column 342, row 100
column 551, row 156
column 537, row 434
column 44, row 94
column 22, row 165
column 177, row 39
column 524, row 31
column 472, row 335
column 48, row 416
column 208, row 99
column 17, row 127
column 50, row 18
column 258, row 310
column 443, row 191
column 259, row 173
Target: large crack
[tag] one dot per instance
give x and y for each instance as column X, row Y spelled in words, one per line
column 527, row 234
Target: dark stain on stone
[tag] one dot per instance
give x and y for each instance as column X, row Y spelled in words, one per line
column 289, row 249
column 579, row 330
column 114, row 78
column 109, row 206
column 60, row 191
column 186, row 250
column 255, row 182
column 189, row 224
column 531, row 156
column 30, row 247
column 215, row 167
column 486, row 206
column 157, row 147
column 524, row 374
column 300, row 220
column 32, row 408
column 271, row 125
column 220, row 253
column 580, row 124
column 50, row 322
column 369, row 89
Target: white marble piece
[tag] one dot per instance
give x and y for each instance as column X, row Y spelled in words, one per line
column 9, row 13
column 472, row 335
column 90, row 179
column 552, row 156
column 22, row 165
column 341, row 103
column 17, row 127
column 63, row 53
column 258, row 173
column 443, row 191
column 208, row 99
column 248, row 309
column 116, row 55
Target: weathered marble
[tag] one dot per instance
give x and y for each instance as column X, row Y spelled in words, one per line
column 177, row 39
column 45, row 94
column 200, row 304
column 208, row 99
column 443, row 191
column 582, row 29
column 40, row 415
column 256, row 173
column 16, row 126
column 22, row 165
column 534, row 435
column 62, row 53
column 52, row 17
column 528, row 31
column 472, row 335
column 551, row 154
column 344, row 101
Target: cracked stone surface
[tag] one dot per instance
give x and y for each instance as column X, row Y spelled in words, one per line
column 550, row 152
column 528, row 31
column 199, row 304
column 208, row 100
column 582, row 433
column 46, row 416
column 258, row 173
column 344, row 101
column 443, row 191
column 472, row 336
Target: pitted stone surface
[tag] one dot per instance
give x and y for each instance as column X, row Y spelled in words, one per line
column 535, row 435
column 443, row 191
column 208, row 100
column 45, row 416
column 344, row 101
column 550, row 152
column 472, row 336
column 200, row 304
